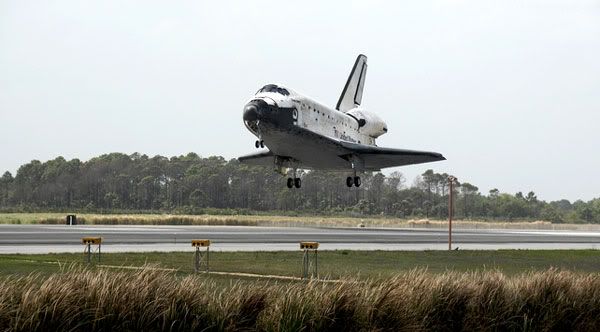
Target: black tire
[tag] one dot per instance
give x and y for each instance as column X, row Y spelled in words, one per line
column 357, row 181
column 262, row 144
column 349, row 182
column 290, row 183
column 297, row 183
column 256, row 144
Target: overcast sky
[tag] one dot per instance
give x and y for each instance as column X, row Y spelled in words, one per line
column 508, row 91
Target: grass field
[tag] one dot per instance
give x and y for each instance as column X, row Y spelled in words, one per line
column 332, row 264
column 264, row 220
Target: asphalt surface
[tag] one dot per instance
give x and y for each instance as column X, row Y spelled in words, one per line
column 59, row 238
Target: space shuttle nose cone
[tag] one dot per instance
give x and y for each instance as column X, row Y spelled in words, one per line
column 250, row 112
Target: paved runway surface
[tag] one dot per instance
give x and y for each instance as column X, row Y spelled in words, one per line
column 58, row 238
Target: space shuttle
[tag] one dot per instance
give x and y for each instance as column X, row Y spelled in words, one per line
column 300, row 133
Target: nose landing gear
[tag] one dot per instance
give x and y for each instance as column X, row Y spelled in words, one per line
column 259, row 143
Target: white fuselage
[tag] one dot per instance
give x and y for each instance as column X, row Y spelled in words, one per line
column 326, row 121
column 329, row 122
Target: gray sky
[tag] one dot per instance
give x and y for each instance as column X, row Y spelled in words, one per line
column 508, row 91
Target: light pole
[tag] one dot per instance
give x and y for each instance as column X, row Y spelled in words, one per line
column 451, row 181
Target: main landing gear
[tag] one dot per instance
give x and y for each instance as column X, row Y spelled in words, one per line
column 353, row 181
column 294, row 181
column 259, row 144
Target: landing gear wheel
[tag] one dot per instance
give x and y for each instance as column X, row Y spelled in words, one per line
column 357, row 181
column 290, row 183
column 297, row 182
column 262, row 143
column 257, row 144
column 349, row 182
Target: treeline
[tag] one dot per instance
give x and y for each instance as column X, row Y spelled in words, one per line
column 191, row 184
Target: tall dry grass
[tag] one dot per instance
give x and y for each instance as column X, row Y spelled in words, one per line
column 293, row 221
column 153, row 300
column 155, row 220
column 282, row 220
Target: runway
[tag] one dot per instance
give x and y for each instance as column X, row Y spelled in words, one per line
column 59, row 238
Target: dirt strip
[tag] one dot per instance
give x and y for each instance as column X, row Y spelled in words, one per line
column 235, row 274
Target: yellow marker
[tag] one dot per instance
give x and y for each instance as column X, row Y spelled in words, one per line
column 309, row 245
column 200, row 243
column 91, row 240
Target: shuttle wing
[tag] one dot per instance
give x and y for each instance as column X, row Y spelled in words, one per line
column 372, row 158
column 259, row 159
column 376, row 158
column 352, row 93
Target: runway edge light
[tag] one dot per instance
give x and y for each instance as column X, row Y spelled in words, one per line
column 309, row 245
column 91, row 240
column 200, row 243
column 309, row 262
column 201, row 257
column 87, row 252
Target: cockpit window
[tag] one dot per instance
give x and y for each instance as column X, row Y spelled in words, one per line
column 274, row 88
